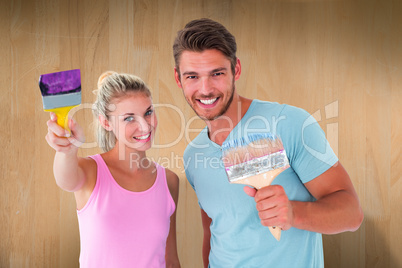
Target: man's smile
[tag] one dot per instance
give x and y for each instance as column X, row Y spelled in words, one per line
column 208, row 101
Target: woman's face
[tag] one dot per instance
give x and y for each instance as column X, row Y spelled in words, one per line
column 133, row 121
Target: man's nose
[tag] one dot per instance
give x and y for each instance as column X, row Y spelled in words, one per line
column 205, row 86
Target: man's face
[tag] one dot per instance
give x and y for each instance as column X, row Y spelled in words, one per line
column 207, row 82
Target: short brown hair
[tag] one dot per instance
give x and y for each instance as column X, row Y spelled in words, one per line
column 202, row 34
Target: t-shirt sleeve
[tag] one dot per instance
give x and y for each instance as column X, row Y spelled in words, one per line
column 189, row 169
column 307, row 148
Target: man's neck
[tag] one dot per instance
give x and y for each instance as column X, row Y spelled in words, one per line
column 220, row 128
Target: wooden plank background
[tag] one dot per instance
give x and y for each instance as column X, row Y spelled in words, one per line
column 339, row 60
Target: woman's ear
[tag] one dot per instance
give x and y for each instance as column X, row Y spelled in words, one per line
column 105, row 123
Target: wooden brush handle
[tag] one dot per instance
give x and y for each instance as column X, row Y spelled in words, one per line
column 276, row 232
column 259, row 181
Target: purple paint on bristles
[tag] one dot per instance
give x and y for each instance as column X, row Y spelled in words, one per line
column 60, row 82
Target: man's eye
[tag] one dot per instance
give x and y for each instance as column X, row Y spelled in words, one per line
column 217, row 74
column 191, row 77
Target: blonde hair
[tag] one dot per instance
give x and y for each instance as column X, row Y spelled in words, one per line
column 112, row 86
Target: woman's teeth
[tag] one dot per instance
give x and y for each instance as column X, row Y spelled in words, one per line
column 143, row 137
column 208, row 101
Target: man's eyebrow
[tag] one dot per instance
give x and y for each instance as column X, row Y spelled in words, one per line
column 218, row 70
column 211, row 72
column 190, row 73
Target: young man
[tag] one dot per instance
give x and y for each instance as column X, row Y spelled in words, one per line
column 313, row 196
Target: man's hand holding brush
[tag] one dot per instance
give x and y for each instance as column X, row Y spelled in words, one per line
column 273, row 205
column 332, row 211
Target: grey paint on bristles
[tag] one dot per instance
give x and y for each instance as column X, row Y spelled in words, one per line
column 63, row 100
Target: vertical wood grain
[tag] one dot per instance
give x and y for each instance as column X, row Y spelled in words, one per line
column 5, row 134
column 339, row 60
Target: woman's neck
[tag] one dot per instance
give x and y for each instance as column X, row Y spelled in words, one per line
column 128, row 158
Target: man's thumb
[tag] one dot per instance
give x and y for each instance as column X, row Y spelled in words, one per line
column 250, row 191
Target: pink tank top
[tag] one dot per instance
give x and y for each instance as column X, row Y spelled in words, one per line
column 120, row 228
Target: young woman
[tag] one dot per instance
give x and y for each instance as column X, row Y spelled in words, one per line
column 125, row 202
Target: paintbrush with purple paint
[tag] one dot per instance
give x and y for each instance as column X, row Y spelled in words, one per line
column 61, row 91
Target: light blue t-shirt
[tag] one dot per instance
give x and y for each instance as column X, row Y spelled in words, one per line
column 237, row 237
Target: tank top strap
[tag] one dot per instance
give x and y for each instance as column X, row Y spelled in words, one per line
column 98, row 159
column 101, row 165
column 162, row 183
column 160, row 173
column 161, row 177
column 102, row 171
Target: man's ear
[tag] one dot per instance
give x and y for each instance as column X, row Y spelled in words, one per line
column 237, row 70
column 105, row 123
column 177, row 77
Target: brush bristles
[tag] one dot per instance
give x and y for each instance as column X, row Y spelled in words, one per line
column 254, row 146
column 60, row 83
column 273, row 162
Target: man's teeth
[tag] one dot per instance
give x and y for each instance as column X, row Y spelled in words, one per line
column 208, row 102
column 143, row 137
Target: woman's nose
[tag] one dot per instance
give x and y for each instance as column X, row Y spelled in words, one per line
column 144, row 125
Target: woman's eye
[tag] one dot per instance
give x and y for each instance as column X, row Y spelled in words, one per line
column 129, row 119
column 149, row 112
